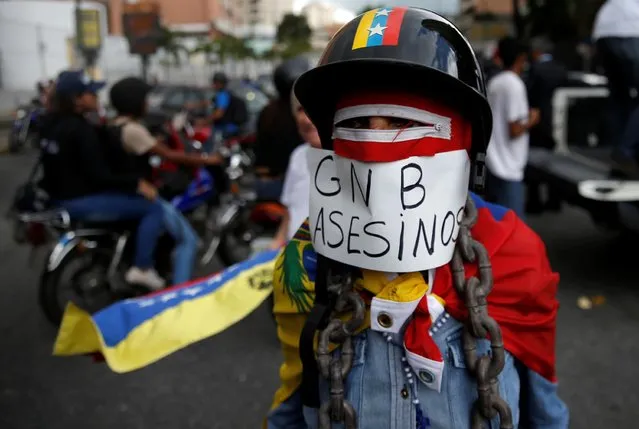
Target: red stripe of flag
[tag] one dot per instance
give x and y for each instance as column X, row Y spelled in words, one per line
column 394, row 26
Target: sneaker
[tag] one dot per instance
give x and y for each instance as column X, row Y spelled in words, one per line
column 148, row 278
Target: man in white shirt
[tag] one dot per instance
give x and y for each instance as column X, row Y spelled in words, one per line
column 507, row 152
column 295, row 193
column 616, row 32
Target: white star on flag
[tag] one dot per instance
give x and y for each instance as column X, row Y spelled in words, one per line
column 194, row 291
column 146, row 303
column 383, row 12
column 378, row 29
column 169, row 296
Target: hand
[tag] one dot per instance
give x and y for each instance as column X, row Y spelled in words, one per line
column 534, row 117
column 147, row 190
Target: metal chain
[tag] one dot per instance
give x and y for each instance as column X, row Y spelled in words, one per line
column 486, row 368
column 474, row 290
column 334, row 367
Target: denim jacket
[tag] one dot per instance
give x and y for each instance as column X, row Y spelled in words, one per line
column 378, row 389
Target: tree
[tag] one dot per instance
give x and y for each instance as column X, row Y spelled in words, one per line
column 224, row 47
column 170, row 43
column 293, row 35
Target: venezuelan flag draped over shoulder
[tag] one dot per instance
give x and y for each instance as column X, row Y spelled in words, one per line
column 135, row 333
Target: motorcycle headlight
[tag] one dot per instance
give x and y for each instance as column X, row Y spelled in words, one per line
column 20, row 113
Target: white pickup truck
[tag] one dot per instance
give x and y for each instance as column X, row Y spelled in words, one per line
column 579, row 167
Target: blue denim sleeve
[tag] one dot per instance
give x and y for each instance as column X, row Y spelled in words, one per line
column 288, row 415
column 546, row 409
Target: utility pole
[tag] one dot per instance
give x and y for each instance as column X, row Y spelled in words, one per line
column 42, row 49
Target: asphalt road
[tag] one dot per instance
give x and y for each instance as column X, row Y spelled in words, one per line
column 227, row 381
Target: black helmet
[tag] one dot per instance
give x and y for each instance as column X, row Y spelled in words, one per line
column 220, row 77
column 128, row 96
column 409, row 48
column 287, row 73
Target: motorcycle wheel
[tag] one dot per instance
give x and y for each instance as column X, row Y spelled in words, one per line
column 88, row 280
column 240, row 243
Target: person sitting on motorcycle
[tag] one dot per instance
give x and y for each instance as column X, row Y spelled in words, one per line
column 277, row 132
column 223, row 124
column 78, row 179
column 297, row 180
column 129, row 98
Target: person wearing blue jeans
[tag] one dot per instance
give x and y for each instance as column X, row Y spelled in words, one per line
column 507, row 193
column 186, row 242
column 78, row 177
column 507, row 153
column 112, row 207
column 128, row 97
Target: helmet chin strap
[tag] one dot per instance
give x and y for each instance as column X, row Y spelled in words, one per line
column 478, row 174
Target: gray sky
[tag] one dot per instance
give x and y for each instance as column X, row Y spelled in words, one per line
column 442, row 6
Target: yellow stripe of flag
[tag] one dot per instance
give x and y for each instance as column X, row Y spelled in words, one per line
column 361, row 36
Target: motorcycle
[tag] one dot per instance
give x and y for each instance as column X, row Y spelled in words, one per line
column 88, row 260
column 92, row 257
column 24, row 131
column 241, row 225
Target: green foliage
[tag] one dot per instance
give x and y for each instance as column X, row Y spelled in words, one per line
column 170, row 43
column 293, row 28
column 224, row 47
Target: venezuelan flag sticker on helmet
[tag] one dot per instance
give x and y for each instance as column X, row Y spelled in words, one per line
column 379, row 27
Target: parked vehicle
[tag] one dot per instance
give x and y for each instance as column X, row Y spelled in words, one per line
column 241, row 225
column 580, row 168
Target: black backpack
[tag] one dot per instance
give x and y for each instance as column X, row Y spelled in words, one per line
column 237, row 112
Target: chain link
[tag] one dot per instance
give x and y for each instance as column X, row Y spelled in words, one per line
column 474, row 290
column 486, row 368
column 335, row 368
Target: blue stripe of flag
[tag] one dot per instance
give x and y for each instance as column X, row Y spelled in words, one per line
column 376, row 39
column 118, row 320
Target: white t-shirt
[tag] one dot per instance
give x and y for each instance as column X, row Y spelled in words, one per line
column 506, row 158
column 295, row 193
column 617, row 18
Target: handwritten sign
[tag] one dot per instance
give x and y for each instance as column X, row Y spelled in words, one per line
column 401, row 216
